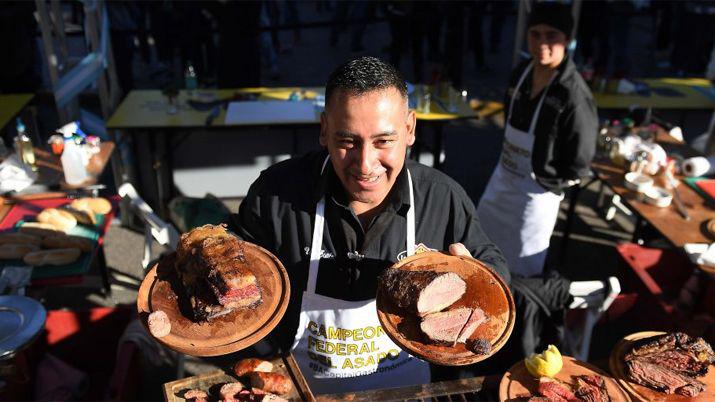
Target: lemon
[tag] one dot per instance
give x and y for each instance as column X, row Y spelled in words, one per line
column 546, row 364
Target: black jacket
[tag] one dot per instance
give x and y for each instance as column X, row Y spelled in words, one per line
column 278, row 214
column 566, row 129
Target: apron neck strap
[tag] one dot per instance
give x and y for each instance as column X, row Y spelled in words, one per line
column 535, row 117
column 319, row 226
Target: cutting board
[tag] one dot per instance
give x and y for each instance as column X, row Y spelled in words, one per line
column 645, row 394
column 485, row 289
column 517, row 384
column 211, row 382
column 225, row 334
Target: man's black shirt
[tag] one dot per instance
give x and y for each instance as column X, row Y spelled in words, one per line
column 278, row 214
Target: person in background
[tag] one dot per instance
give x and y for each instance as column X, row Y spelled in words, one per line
column 337, row 218
column 549, row 142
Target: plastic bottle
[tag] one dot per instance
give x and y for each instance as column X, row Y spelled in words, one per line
column 190, row 80
column 73, row 163
column 23, row 146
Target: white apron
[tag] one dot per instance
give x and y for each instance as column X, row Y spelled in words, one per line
column 340, row 345
column 515, row 211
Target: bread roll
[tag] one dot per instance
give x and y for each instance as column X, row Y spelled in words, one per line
column 247, row 366
column 83, row 214
column 271, row 382
column 40, row 229
column 63, row 220
column 19, row 238
column 98, row 205
column 16, row 251
column 60, row 256
column 66, row 241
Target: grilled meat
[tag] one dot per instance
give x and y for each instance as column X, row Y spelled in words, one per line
column 591, row 388
column 421, row 292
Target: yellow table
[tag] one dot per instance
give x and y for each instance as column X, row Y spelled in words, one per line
column 11, row 105
column 146, row 110
column 696, row 93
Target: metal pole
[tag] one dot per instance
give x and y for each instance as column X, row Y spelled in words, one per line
column 524, row 9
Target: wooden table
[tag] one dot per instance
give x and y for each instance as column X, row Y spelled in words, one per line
column 454, row 390
column 145, row 111
column 690, row 94
column 667, row 220
column 11, row 105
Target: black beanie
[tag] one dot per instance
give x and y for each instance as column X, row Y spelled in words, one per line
column 553, row 14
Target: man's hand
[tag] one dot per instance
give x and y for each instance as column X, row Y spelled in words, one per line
column 459, row 249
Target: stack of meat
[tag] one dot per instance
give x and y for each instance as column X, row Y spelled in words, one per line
column 670, row 363
column 266, row 385
column 427, row 294
column 589, row 388
column 213, row 269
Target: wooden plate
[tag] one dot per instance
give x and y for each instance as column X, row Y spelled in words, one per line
column 517, row 383
column 485, row 289
column 641, row 393
column 226, row 334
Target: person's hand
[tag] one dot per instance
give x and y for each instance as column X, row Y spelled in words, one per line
column 459, row 249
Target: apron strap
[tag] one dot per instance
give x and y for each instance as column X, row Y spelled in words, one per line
column 516, row 89
column 535, row 117
column 317, row 241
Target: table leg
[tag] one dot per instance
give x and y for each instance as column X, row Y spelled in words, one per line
column 437, row 146
column 163, row 169
column 101, row 262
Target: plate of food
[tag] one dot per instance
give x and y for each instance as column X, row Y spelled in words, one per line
column 215, row 295
column 448, row 310
column 659, row 366
column 565, row 379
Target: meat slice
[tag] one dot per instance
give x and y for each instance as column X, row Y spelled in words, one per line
column 445, row 326
column 662, row 379
column 676, row 351
column 475, row 320
column 592, row 388
column 229, row 391
column 422, row 292
column 555, row 390
column 196, row 395
column 246, row 366
column 275, row 383
column 264, row 396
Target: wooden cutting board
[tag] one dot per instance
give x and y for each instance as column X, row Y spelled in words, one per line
column 645, row 394
column 211, row 382
column 517, row 384
column 226, row 334
column 485, row 289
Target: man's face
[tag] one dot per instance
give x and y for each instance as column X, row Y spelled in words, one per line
column 547, row 45
column 367, row 137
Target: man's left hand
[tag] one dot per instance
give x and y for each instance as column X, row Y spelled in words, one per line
column 459, row 249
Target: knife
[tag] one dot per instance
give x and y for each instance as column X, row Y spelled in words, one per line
column 676, row 196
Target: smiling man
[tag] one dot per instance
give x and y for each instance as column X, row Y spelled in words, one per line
column 337, row 219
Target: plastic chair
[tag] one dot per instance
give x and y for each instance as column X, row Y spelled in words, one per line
column 596, row 297
column 155, row 228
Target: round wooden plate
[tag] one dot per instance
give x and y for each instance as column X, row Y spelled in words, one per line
column 517, row 383
column 644, row 394
column 485, row 289
column 226, row 334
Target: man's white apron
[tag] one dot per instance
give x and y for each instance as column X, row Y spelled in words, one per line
column 340, row 345
column 515, row 211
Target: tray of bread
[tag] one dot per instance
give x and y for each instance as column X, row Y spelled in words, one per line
column 56, row 236
column 659, row 366
column 449, row 310
column 215, row 295
column 249, row 379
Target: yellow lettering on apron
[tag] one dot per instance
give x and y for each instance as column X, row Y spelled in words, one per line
column 320, row 346
column 370, row 360
column 359, row 362
column 329, row 347
column 347, row 364
column 379, row 331
column 357, row 334
column 347, row 334
column 321, row 331
column 313, row 327
column 341, row 349
column 373, row 347
column 365, row 348
column 352, row 349
column 381, row 356
column 393, row 354
column 369, row 332
column 333, row 333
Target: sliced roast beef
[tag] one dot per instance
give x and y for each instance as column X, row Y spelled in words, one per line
column 445, row 326
column 662, row 379
column 475, row 320
column 676, row 351
column 592, row 388
column 422, row 292
column 555, row 390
